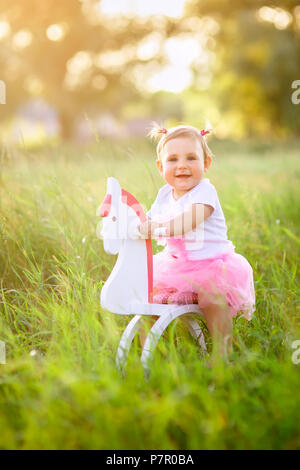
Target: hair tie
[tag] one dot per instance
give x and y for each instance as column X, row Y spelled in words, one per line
column 203, row 132
column 163, row 131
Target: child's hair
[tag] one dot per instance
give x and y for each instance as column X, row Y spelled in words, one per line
column 179, row 131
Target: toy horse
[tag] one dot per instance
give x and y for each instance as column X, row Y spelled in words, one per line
column 129, row 288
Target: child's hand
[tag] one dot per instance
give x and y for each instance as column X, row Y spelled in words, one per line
column 147, row 228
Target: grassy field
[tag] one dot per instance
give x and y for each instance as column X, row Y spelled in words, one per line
column 59, row 388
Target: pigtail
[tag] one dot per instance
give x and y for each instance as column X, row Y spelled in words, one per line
column 207, row 130
column 156, row 131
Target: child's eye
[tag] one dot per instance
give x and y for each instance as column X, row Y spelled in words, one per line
column 172, row 159
column 191, row 157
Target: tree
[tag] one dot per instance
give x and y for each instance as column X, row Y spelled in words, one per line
column 81, row 62
column 48, row 67
column 258, row 58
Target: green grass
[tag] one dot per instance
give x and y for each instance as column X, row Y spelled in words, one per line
column 60, row 389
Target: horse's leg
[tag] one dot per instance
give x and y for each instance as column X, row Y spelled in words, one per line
column 143, row 330
column 126, row 340
column 195, row 331
column 155, row 333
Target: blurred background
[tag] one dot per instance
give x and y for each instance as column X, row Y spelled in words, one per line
column 77, row 69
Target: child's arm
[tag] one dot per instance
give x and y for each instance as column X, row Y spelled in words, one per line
column 181, row 224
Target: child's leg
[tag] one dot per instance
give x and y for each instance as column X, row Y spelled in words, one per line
column 219, row 324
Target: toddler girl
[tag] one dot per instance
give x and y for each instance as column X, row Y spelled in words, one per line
column 198, row 258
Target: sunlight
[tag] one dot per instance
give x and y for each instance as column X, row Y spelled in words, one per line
column 279, row 17
column 4, row 29
column 282, row 19
column 78, row 70
column 181, row 52
column 55, row 32
column 22, row 39
column 173, row 78
column 183, row 49
column 33, row 85
column 115, row 59
column 142, row 8
column 79, row 63
column 150, row 46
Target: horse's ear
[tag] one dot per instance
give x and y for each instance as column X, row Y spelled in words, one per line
column 105, row 207
column 113, row 186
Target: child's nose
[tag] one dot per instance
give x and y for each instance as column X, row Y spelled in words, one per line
column 181, row 164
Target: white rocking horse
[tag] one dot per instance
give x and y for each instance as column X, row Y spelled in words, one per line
column 129, row 288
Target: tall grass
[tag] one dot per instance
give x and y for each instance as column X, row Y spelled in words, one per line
column 60, row 389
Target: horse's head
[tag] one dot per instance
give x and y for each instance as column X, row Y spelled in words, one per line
column 110, row 213
column 121, row 214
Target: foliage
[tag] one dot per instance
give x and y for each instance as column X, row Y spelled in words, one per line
column 251, row 66
column 48, row 61
column 256, row 64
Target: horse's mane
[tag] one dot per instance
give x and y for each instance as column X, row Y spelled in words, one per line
column 131, row 201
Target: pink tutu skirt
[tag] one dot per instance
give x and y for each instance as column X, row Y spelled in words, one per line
column 227, row 277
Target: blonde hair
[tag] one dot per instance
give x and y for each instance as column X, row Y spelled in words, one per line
column 166, row 135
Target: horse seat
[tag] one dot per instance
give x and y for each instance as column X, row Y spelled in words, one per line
column 177, row 298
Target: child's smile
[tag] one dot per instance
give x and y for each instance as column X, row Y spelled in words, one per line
column 182, row 164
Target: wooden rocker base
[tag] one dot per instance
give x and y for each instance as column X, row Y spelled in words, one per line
column 155, row 333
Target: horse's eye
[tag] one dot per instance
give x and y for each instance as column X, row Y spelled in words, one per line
column 114, row 218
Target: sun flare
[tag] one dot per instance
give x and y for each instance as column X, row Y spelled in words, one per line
column 171, row 8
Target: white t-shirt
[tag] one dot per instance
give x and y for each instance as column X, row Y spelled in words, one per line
column 207, row 239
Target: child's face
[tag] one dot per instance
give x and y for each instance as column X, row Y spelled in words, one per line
column 182, row 164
